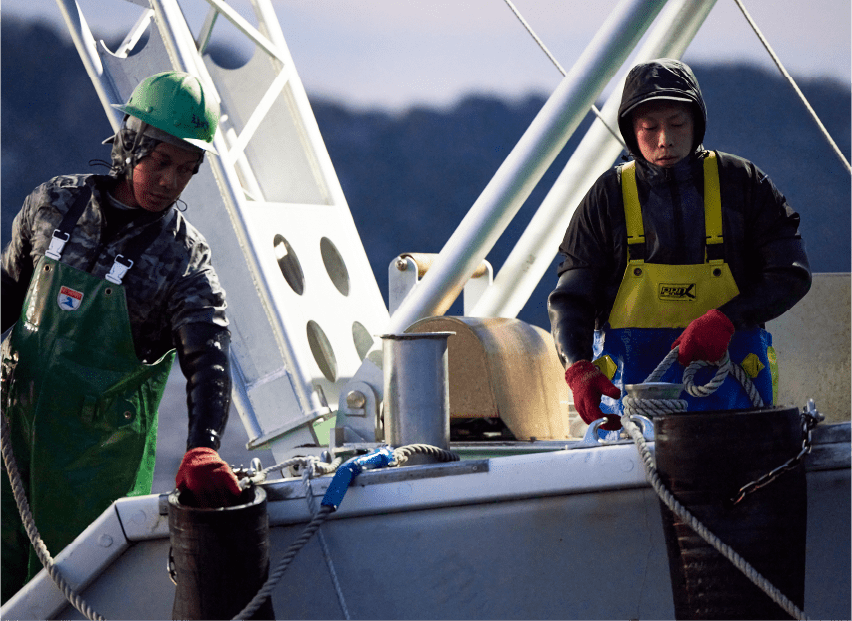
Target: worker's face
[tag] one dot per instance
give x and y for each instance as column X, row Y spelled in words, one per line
column 664, row 130
column 159, row 178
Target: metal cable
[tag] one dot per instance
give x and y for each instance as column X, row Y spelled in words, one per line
column 403, row 453
column 32, row 532
column 561, row 70
column 794, row 85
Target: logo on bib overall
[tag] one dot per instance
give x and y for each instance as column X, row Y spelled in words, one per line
column 677, row 292
column 69, row 299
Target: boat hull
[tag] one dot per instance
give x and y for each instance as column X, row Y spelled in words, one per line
column 573, row 533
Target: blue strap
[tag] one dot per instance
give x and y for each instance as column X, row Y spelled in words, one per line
column 347, row 471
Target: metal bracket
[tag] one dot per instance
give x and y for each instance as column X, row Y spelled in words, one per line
column 592, row 438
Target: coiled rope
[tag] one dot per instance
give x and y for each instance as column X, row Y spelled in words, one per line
column 656, row 407
column 32, row 532
column 633, row 405
column 684, row 514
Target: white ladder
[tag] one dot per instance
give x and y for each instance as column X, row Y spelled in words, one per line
column 303, row 303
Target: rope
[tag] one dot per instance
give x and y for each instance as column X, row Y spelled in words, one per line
column 276, row 575
column 32, row 532
column 632, row 404
column 792, row 82
column 543, row 47
column 310, row 462
column 657, row 407
column 326, row 553
column 678, row 509
column 401, row 455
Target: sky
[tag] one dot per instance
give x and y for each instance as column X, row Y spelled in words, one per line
column 392, row 54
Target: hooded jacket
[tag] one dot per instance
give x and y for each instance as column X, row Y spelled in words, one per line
column 762, row 244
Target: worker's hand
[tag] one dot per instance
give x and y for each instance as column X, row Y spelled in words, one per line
column 705, row 338
column 588, row 384
column 209, row 480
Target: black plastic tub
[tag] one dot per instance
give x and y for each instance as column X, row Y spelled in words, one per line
column 219, row 557
column 704, row 458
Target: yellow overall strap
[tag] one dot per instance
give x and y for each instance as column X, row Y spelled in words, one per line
column 712, row 206
column 632, row 209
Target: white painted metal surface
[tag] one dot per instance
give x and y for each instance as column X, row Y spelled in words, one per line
column 404, row 276
column 565, row 533
column 510, row 537
column 526, row 164
column 515, row 179
column 812, row 341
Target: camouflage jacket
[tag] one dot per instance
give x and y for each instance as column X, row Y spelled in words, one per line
column 170, row 285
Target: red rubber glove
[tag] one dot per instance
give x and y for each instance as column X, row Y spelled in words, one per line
column 210, row 481
column 588, row 384
column 705, row 338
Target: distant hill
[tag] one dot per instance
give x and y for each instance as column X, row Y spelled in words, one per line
column 416, row 173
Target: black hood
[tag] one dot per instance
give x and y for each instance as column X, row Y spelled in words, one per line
column 664, row 78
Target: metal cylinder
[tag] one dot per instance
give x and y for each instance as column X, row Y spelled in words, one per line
column 219, row 558
column 417, row 393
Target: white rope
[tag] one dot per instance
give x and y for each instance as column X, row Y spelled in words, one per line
column 552, row 58
column 32, row 532
column 326, row 553
column 657, row 406
column 792, row 82
column 678, row 509
column 314, row 465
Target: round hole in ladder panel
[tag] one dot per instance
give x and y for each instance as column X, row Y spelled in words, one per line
column 334, row 265
column 362, row 338
column 288, row 262
column 322, row 351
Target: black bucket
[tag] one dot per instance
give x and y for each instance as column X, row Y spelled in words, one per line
column 704, row 458
column 219, row 557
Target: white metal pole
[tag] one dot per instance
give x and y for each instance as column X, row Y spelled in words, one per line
column 528, row 161
column 534, row 251
column 87, row 48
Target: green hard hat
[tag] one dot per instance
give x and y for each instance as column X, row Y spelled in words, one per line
column 175, row 103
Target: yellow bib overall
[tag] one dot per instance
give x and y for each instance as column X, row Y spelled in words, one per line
column 655, row 302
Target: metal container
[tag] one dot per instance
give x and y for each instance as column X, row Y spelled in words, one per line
column 654, row 390
column 416, row 391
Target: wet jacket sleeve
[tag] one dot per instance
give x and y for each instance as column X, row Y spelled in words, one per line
column 203, row 354
column 572, row 315
column 588, row 275
column 774, row 273
column 17, row 271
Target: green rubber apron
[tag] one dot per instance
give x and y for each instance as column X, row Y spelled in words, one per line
column 82, row 409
